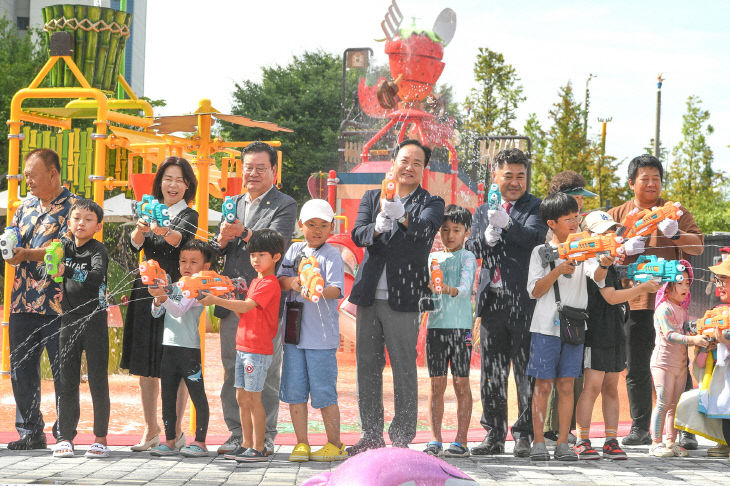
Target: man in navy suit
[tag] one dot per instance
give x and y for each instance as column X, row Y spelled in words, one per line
column 391, row 284
column 504, row 239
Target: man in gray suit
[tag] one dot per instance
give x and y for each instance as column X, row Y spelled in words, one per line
column 263, row 206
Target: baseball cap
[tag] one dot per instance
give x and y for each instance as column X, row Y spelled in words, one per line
column 316, row 208
column 599, row 222
column 578, row 191
column 722, row 268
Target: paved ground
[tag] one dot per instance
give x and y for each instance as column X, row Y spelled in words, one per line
column 129, row 468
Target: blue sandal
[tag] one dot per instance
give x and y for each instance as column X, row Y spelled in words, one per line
column 193, row 450
column 434, row 448
column 163, row 450
column 457, row 449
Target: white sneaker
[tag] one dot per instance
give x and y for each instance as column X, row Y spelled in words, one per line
column 677, row 450
column 660, row 450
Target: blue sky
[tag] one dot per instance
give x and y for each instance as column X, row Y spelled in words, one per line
column 625, row 44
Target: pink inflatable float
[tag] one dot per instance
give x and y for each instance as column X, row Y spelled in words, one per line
column 392, row 467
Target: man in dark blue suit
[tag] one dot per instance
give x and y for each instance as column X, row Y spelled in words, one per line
column 503, row 239
column 389, row 288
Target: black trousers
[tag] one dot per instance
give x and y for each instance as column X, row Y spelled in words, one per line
column 726, row 429
column 180, row 363
column 505, row 340
column 29, row 333
column 78, row 334
column 640, row 337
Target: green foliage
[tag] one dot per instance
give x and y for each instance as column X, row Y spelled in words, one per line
column 22, row 55
column 304, row 96
column 492, row 105
column 564, row 147
column 691, row 178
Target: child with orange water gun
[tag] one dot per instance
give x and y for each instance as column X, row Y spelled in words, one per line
column 312, row 272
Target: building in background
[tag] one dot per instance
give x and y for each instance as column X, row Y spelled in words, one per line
column 27, row 14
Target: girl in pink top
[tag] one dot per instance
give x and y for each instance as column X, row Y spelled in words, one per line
column 669, row 360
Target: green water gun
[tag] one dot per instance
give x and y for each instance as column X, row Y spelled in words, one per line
column 54, row 258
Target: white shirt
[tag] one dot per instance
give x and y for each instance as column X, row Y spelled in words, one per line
column 174, row 210
column 573, row 292
column 244, row 211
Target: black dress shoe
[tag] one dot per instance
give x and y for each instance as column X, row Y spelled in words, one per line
column 637, row 436
column 365, row 445
column 522, row 447
column 489, row 446
column 688, row 441
column 28, row 442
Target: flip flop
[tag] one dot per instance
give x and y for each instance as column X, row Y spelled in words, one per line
column 63, row 449
column 98, row 450
column 193, row 450
column 433, row 448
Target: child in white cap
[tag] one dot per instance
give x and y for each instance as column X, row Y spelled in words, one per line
column 312, row 333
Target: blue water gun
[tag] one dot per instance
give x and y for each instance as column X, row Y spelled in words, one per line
column 150, row 209
column 651, row 267
column 229, row 209
column 494, row 197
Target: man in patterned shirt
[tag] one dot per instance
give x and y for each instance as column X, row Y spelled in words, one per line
column 35, row 303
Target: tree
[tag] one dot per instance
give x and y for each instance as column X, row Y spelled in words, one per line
column 22, row 55
column 691, row 179
column 304, row 96
column 491, row 106
column 565, row 147
column 563, row 144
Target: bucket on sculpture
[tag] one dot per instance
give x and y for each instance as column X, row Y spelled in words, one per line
column 99, row 39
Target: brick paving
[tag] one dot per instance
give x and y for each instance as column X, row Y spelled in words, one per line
column 129, row 468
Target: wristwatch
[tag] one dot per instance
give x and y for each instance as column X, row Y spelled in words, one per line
column 403, row 218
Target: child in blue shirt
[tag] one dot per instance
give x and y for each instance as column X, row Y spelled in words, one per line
column 449, row 339
column 309, row 367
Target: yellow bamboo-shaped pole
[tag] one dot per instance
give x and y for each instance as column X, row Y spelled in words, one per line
column 202, row 162
column 13, row 170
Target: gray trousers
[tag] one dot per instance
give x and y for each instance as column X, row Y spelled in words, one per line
column 270, row 394
column 378, row 327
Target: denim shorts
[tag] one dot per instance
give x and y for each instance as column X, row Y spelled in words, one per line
column 551, row 358
column 309, row 372
column 251, row 370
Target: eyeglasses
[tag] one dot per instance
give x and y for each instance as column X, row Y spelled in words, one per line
column 719, row 282
column 575, row 220
column 251, row 170
column 170, row 180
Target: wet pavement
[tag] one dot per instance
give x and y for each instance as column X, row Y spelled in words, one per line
column 138, row 468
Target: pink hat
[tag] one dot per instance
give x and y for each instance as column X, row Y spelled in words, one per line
column 661, row 294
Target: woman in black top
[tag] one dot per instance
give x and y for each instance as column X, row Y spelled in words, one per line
column 175, row 186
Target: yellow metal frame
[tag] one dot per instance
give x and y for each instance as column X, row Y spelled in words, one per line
column 89, row 98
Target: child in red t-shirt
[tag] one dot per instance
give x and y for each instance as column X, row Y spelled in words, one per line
column 257, row 328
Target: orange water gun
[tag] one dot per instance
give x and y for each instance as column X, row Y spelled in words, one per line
column 311, row 278
column 203, row 282
column 437, row 276
column 152, row 274
column 580, row 247
column 389, row 187
column 719, row 318
column 644, row 222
